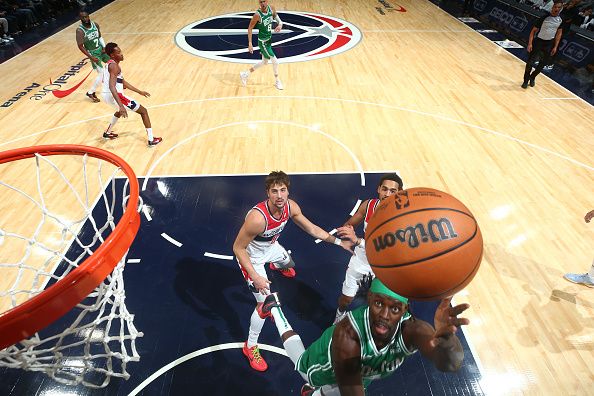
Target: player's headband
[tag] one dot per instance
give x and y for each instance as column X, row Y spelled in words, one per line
column 378, row 287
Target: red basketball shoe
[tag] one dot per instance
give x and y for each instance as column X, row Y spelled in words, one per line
column 155, row 141
column 265, row 310
column 286, row 272
column 256, row 360
column 307, row 390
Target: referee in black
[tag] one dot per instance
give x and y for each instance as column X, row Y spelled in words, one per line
column 545, row 44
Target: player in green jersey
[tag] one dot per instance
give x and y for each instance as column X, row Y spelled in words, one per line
column 262, row 20
column 90, row 43
column 370, row 343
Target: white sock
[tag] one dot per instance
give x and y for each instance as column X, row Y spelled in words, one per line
column 281, row 322
column 259, row 65
column 149, row 132
column 97, row 81
column 591, row 272
column 294, row 347
column 114, row 119
column 275, row 67
column 256, row 324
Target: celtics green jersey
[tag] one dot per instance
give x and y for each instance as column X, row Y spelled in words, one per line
column 316, row 361
column 265, row 25
column 91, row 37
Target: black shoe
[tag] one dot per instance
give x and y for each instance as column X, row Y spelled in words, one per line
column 93, row 97
column 532, row 82
column 525, row 84
column 270, row 302
column 110, row 135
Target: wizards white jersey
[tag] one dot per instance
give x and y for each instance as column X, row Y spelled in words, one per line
column 273, row 228
column 371, row 205
column 119, row 79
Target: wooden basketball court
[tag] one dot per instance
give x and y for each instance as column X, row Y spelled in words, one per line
column 421, row 93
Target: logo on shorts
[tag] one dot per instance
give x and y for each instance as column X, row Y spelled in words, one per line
column 304, row 37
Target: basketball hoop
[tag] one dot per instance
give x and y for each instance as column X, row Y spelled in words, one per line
column 84, row 272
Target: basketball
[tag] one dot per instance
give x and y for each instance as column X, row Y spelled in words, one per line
column 423, row 244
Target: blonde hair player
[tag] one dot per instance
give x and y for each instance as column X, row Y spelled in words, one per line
column 257, row 244
column 262, row 20
column 113, row 93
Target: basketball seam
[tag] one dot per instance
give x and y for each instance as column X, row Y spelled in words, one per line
column 474, row 271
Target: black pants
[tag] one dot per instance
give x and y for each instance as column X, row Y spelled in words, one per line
column 541, row 49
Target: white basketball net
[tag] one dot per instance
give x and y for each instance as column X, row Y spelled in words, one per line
column 41, row 242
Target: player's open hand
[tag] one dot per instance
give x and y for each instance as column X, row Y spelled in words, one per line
column 278, row 28
column 123, row 112
column 446, row 320
column 251, row 48
column 145, row 94
column 261, row 284
column 347, row 232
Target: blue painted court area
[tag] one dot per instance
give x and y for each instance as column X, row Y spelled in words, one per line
column 184, row 301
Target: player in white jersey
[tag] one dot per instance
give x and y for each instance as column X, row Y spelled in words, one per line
column 257, row 244
column 359, row 267
column 113, row 93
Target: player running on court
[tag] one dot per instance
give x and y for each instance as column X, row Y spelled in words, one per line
column 262, row 20
column 90, row 43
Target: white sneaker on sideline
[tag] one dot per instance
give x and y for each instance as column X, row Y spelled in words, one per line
column 581, row 279
column 244, row 77
column 279, row 85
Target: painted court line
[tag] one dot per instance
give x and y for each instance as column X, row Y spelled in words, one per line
column 170, row 239
column 218, row 256
column 203, row 351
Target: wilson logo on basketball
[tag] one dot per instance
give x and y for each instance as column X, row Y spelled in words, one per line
column 304, row 37
column 435, row 231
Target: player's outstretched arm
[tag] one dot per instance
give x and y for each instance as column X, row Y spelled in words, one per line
column 129, row 86
column 346, row 359
column 315, row 231
column 439, row 344
column 359, row 215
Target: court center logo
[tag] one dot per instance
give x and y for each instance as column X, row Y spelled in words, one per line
column 304, row 37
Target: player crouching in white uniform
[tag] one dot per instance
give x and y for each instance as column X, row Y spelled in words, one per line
column 113, row 93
